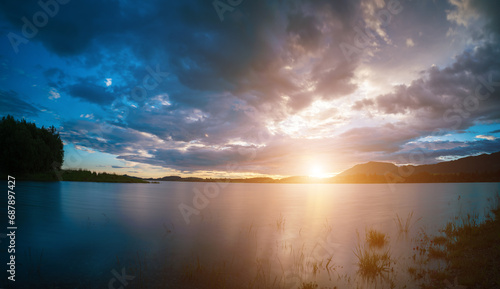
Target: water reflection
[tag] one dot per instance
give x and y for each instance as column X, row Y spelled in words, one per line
column 261, row 233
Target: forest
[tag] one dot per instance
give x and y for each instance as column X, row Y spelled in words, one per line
column 27, row 149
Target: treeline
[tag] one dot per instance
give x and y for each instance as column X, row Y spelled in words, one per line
column 27, row 149
column 89, row 176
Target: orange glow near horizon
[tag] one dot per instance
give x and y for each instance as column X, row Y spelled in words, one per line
column 316, row 170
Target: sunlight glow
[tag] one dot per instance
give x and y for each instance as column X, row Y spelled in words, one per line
column 317, row 171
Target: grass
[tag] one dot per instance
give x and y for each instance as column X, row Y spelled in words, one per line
column 370, row 262
column 436, row 253
column 439, row 240
column 470, row 251
column 280, row 223
column 309, row 285
column 405, row 225
column 375, row 238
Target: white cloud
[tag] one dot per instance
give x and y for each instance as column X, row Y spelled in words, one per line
column 54, row 94
column 88, row 116
column 108, row 81
column 409, row 42
column 488, row 137
column 463, row 12
column 85, row 149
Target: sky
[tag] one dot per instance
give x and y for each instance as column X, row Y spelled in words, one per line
column 240, row 88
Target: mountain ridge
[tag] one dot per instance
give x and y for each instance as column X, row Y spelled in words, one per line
column 471, row 164
column 480, row 168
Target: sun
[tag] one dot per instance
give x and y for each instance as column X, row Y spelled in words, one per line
column 316, row 171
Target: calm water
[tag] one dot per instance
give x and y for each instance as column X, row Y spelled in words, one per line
column 81, row 235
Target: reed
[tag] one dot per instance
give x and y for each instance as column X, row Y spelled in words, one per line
column 404, row 225
column 376, row 239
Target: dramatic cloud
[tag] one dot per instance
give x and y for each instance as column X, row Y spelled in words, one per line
column 274, row 87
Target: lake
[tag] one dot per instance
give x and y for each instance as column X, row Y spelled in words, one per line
column 171, row 235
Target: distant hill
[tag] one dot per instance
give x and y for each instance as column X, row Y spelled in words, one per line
column 482, row 168
column 370, row 168
column 474, row 164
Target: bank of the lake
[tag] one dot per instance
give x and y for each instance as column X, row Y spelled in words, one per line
column 469, row 249
column 79, row 176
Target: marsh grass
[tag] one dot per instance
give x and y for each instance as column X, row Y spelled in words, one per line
column 436, row 253
column 309, row 285
column 327, row 226
column 372, row 263
column 439, row 240
column 375, row 238
column 404, row 225
column 280, row 223
column 469, row 248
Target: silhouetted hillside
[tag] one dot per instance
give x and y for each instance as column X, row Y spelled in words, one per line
column 379, row 168
column 482, row 168
column 474, row 164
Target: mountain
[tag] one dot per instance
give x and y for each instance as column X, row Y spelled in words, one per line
column 177, row 179
column 474, row 164
column 369, row 168
column 482, row 168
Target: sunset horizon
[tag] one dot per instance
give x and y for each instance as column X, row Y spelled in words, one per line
column 250, row 144
column 218, row 91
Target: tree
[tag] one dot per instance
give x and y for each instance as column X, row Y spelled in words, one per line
column 26, row 149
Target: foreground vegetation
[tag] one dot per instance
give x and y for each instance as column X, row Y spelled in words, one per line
column 470, row 250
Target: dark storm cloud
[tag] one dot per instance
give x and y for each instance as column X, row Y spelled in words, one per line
column 11, row 103
column 72, row 28
column 119, row 167
column 454, row 97
column 90, row 92
column 55, row 77
column 102, row 136
column 305, row 28
column 386, row 139
column 244, row 55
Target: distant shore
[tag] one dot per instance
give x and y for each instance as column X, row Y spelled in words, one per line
column 79, row 176
column 357, row 179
